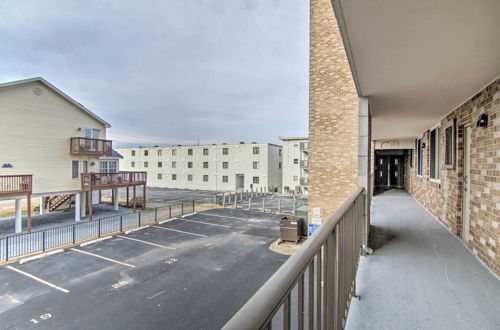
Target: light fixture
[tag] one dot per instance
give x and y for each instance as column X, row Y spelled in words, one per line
column 482, row 121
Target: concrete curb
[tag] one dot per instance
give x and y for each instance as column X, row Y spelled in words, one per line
column 25, row 260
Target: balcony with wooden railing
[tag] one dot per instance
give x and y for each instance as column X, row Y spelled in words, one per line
column 16, row 185
column 91, row 147
column 98, row 181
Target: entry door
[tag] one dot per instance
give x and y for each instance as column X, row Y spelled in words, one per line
column 466, row 185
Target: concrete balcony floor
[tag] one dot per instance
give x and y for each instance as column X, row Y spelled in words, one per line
column 421, row 277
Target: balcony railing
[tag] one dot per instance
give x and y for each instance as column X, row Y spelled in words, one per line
column 91, row 147
column 112, row 180
column 15, row 185
column 304, row 181
column 320, row 276
column 304, row 163
column 304, row 146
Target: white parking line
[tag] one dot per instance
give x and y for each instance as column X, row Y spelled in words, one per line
column 105, row 258
column 230, row 217
column 145, row 242
column 205, row 223
column 38, row 279
column 180, row 231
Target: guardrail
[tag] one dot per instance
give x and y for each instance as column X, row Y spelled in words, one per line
column 16, row 246
column 13, row 185
column 315, row 285
column 91, row 147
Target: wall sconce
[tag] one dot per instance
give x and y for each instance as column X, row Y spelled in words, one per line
column 423, row 145
column 92, row 164
column 482, row 121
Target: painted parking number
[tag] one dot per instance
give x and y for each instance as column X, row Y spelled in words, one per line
column 119, row 284
column 42, row 317
column 171, row 261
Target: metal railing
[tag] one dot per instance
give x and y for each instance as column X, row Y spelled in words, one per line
column 304, row 181
column 112, row 179
column 314, row 287
column 12, row 185
column 91, row 147
column 19, row 245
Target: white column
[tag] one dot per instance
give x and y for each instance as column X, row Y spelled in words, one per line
column 19, row 218
column 78, row 207
column 42, row 205
column 115, row 202
column 364, row 154
column 83, row 202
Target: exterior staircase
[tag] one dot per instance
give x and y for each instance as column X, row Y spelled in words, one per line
column 55, row 202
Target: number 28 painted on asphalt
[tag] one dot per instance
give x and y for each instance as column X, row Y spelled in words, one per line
column 119, row 284
column 171, row 261
column 42, row 317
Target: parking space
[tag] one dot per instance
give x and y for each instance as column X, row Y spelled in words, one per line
column 189, row 272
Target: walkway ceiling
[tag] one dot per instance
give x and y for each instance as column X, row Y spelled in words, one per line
column 418, row 60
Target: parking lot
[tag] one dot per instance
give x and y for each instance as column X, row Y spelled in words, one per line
column 186, row 273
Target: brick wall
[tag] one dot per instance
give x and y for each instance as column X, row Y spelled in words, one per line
column 444, row 199
column 333, row 114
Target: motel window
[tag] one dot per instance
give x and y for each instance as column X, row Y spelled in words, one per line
column 75, row 169
column 255, row 165
column 205, row 164
column 146, row 164
column 279, row 165
column 295, row 178
column 174, row 177
column 296, row 144
column 108, row 166
column 420, row 158
column 85, row 165
column 174, row 152
column 133, row 153
column 255, row 179
column 225, row 178
column 256, row 150
column 434, row 154
column 159, row 152
column 295, row 161
column 449, row 146
column 146, row 152
column 190, row 152
column 205, row 152
column 205, row 178
column 174, row 164
column 160, row 176
column 190, row 177
column 132, row 164
column 190, row 164
column 225, row 164
column 160, row 164
column 279, row 152
column 225, row 151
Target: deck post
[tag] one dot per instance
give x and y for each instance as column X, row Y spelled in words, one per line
column 134, row 201
column 112, row 197
column 19, row 217
column 128, row 204
column 78, row 200
column 28, row 207
column 144, row 197
column 89, row 201
column 42, row 205
column 115, row 199
column 83, row 204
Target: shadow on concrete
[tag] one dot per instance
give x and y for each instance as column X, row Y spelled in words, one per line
column 379, row 236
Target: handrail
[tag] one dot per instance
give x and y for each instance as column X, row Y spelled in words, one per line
column 264, row 304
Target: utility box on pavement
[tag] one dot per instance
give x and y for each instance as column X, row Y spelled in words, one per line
column 291, row 228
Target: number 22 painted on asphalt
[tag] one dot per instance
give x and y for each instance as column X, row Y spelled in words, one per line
column 43, row 317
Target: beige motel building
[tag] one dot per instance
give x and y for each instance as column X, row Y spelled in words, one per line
column 295, row 165
column 217, row 167
column 55, row 149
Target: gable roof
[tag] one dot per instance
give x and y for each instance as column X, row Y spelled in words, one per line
column 61, row 93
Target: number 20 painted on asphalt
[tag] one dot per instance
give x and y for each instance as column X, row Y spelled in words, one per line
column 43, row 317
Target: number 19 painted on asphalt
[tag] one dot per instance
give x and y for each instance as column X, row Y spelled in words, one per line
column 42, row 317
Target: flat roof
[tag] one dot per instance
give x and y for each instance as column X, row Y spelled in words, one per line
column 282, row 138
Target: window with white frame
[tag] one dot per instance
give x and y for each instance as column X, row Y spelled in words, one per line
column 255, row 165
column 205, row 164
column 190, row 152
column 434, row 154
column 174, row 152
column 205, row 178
column 256, row 150
column 160, row 152
column 75, row 169
column 190, row 177
column 295, row 178
column 420, row 158
column 132, row 164
column 160, row 164
column 174, row 164
column 295, row 161
column 256, row 179
column 146, row 164
column 449, row 146
column 108, row 166
column 225, row 178
column 190, row 164
column 205, row 152
column 133, row 153
column 160, row 176
column 174, row 177
column 146, row 152
column 225, row 151
column 225, row 165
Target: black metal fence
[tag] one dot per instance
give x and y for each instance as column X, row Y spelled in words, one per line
column 19, row 245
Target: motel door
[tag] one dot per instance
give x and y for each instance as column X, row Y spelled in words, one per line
column 389, row 171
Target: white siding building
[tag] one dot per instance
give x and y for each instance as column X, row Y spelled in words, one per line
column 222, row 167
column 295, row 165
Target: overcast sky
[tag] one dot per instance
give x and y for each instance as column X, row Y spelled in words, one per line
column 171, row 71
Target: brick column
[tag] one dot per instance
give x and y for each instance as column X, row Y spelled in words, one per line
column 333, row 114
